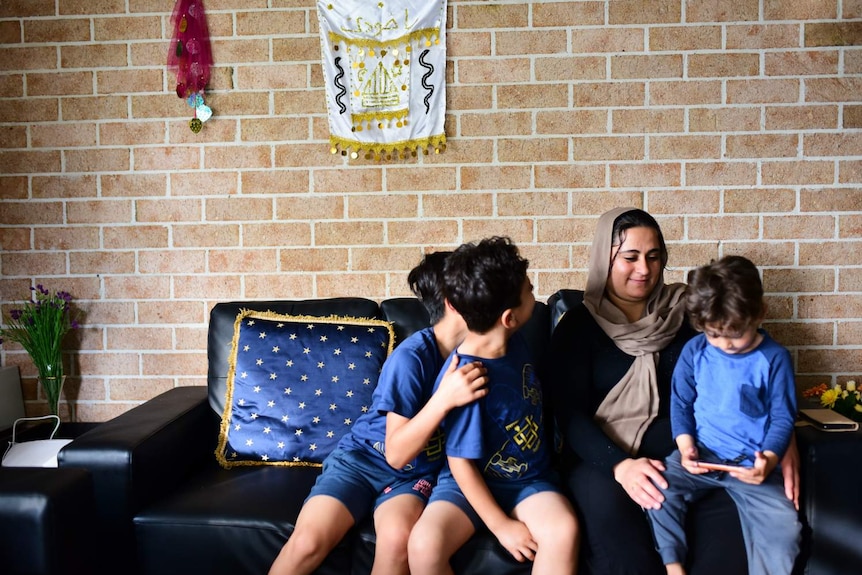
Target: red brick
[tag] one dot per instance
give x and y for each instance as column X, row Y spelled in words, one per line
column 644, row 12
column 573, row 68
column 492, row 16
column 552, row 14
column 645, row 175
column 495, row 178
column 763, row 36
column 721, row 10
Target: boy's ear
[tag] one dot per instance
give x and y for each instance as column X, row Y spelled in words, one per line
column 508, row 319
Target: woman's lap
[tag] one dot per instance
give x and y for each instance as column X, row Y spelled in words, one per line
column 618, row 540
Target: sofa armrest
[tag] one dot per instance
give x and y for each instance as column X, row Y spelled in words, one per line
column 142, row 454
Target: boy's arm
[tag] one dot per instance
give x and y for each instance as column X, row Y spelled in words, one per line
column 683, row 424
column 406, row 437
column 782, row 413
column 782, row 405
column 683, row 394
column 512, row 534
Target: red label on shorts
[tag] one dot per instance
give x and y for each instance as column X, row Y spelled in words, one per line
column 422, row 487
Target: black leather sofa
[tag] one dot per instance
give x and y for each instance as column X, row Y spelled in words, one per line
column 47, row 520
column 166, row 506
column 169, row 508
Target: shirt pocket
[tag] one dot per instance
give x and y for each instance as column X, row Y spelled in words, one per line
column 752, row 401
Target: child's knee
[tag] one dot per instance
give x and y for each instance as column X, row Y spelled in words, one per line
column 307, row 544
column 562, row 532
column 423, row 547
column 393, row 538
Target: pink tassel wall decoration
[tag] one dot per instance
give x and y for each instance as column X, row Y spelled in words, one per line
column 190, row 57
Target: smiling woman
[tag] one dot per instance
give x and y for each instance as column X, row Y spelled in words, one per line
column 638, row 257
column 608, row 375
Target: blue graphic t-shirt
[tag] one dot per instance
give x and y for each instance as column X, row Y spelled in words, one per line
column 405, row 385
column 503, row 432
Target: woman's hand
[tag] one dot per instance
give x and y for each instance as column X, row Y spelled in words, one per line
column 790, row 471
column 639, row 477
column 517, row 539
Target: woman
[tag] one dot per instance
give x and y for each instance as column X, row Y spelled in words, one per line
column 609, row 370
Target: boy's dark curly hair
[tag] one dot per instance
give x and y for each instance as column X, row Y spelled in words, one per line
column 726, row 293
column 426, row 283
column 484, row 279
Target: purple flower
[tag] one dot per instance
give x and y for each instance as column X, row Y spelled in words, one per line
column 15, row 314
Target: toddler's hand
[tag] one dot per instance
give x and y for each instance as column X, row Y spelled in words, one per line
column 763, row 466
column 688, row 458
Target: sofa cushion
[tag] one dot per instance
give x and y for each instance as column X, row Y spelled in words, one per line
column 296, row 384
column 223, row 318
column 231, row 521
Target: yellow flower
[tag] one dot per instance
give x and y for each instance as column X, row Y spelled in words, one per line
column 828, row 398
column 851, row 385
column 858, row 408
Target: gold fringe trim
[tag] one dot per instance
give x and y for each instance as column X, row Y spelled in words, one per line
column 393, row 150
column 271, row 315
column 423, row 33
column 381, row 116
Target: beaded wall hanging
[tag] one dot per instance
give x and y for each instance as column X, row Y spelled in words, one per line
column 190, row 57
column 384, row 67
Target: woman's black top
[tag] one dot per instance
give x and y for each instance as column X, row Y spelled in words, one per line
column 582, row 366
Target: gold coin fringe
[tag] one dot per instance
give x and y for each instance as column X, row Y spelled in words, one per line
column 387, row 151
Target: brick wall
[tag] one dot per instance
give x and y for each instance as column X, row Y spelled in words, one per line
column 736, row 122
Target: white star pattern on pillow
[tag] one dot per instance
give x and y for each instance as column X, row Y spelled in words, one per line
column 329, row 368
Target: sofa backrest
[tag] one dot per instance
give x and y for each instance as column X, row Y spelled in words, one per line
column 562, row 301
column 407, row 314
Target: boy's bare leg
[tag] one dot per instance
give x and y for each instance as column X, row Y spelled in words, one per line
column 321, row 524
column 441, row 530
column 675, row 569
column 393, row 521
column 554, row 527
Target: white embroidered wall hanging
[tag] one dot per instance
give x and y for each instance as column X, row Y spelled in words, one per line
column 384, row 65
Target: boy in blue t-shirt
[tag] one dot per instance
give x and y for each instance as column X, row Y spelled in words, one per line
column 733, row 406
column 498, row 461
column 389, row 461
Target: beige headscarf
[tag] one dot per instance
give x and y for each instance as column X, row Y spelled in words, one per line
column 632, row 404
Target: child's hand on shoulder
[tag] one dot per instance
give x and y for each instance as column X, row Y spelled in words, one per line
column 764, row 463
column 463, row 385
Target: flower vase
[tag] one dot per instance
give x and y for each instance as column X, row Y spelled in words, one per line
column 53, row 388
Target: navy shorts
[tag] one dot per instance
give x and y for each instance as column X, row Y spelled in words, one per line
column 508, row 494
column 359, row 481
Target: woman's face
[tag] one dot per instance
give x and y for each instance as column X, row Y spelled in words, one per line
column 635, row 267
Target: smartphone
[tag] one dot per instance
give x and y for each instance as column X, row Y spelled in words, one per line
column 719, row 466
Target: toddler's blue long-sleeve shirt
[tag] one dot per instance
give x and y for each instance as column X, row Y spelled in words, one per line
column 734, row 404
